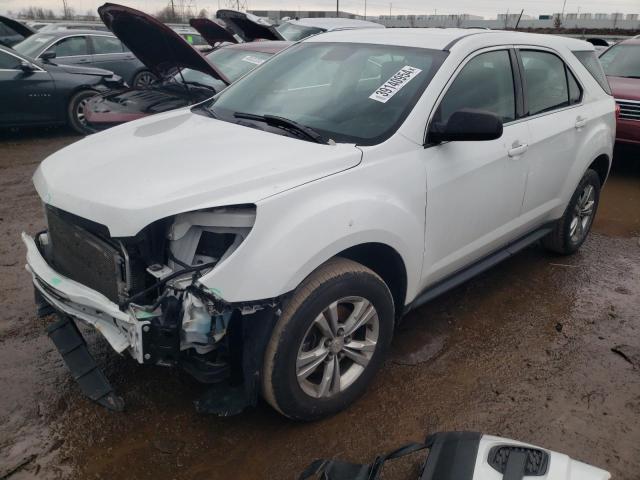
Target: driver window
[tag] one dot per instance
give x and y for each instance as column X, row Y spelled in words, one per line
column 484, row 83
column 9, row 62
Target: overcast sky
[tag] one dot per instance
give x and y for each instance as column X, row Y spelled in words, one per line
column 488, row 9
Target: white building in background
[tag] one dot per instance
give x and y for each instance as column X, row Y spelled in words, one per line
column 629, row 21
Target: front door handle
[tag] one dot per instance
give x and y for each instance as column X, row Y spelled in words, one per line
column 518, row 150
column 581, row 122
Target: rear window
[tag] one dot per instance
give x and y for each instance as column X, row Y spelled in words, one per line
column 592, row 64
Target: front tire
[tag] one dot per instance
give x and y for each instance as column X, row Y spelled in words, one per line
column 76, row 112
column 572, row 229
column 329, row 342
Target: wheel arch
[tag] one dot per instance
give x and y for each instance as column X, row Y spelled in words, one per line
column 601, row 165
column 387, row 263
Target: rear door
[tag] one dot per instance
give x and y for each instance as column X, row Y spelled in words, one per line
column 557, row 125
column 25, row 97
column 475, row 188
column 72, row 50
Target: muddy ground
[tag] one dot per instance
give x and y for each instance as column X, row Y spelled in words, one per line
column 523, row 351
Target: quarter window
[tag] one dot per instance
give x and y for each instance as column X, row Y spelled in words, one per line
column 545, row 77
column 485, row 83
column 104, row 45
column 70, row 47
column 9, row 62
column 575, row 92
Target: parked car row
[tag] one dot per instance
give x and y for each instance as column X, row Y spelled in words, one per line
column 126, row 43
column 39, row 93
column 184, row 76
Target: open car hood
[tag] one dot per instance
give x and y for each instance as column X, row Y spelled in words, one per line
column 213, row 32
column 249, row 27
column 162, row 50
column 16, row 26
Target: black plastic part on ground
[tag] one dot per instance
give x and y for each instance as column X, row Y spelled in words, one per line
column 452, row 456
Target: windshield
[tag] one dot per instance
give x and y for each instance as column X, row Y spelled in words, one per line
column 293, row 32
column 33, row 45
column 233, row 63
column 353, row 93
column 622, row 60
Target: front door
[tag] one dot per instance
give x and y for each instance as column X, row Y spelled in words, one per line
column 475, row 188
column 25, row 96
column 72, row 50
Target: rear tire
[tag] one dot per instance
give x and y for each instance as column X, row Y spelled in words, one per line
column 144, row 79
column 329, row 342
column 76, row 112
column 573, row 228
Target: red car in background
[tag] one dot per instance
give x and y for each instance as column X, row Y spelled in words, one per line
column 621, row 64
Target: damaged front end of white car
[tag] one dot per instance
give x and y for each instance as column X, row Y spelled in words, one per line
column 145, row 295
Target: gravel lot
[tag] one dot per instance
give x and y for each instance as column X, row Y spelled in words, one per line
column 524, row 351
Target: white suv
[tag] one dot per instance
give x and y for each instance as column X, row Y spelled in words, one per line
column 272, row 236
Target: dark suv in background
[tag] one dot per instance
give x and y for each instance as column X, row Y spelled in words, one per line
column 89, row 48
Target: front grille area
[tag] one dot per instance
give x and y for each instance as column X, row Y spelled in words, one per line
column 85, row 257
column 629, row 109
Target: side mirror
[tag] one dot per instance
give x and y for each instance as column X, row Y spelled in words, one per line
column 48, row 56
column 467, row 125
column 27, row 67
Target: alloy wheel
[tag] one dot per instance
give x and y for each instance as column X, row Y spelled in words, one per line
column 80, row 111
column 145, row 80
column 582, row 214
column 337, row 347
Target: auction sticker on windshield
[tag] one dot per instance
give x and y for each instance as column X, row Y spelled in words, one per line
column 396, row 83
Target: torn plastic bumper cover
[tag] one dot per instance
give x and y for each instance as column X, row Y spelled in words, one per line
column 228, row 355
column 467, row 456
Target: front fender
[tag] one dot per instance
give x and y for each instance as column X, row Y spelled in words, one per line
column 297, row 231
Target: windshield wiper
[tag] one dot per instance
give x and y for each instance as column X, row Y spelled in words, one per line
column 286, row 124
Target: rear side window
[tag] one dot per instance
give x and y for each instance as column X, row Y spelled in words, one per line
column 485, row 83
column 105, row 45
column 592, row 64
column 546, row 81
column 70, row 47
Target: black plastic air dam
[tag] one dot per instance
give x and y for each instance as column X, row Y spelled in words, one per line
column 69, row 341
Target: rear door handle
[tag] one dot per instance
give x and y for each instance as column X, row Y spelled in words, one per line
column 581, row 122
column 518, row 150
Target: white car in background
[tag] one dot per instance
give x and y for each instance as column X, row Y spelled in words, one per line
column 298, row 29
column 274, row 234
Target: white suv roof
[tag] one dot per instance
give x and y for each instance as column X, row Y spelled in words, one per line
column 445, row 38
column 330, row 24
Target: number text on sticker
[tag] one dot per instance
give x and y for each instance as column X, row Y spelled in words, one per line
column 392, row 86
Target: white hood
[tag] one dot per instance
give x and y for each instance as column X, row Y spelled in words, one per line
column 129, row 176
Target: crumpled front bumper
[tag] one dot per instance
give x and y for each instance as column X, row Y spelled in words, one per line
column 121, row 329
